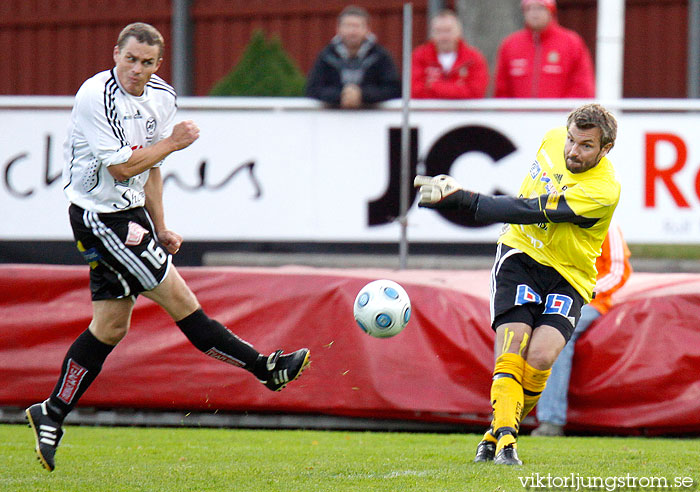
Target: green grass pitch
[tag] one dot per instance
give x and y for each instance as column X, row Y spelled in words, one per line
column 126, row 459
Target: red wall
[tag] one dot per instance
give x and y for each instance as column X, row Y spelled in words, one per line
column 656, row 47
column 52, row 47
column 223, row 29
column 656, row 43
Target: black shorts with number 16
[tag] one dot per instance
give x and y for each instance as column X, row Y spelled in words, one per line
column 122, row 249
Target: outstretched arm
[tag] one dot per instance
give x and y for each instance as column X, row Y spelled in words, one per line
column 443, row 192
column 544, row 208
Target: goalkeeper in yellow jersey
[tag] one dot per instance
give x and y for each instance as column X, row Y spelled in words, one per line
column 544, row 270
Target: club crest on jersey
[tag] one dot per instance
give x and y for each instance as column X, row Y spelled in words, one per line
column 150, row 127
column 135, row 234
column 535, row 169
column 553, row 57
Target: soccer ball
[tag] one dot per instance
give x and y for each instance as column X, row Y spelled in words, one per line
column 382, row 308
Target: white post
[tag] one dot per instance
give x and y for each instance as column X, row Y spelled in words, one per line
column 182, row 47
column 610, row 49
column 694, row 49
column 405, row 133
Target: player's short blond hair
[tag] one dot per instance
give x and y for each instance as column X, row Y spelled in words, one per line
column 144, row 33
column 595, row 116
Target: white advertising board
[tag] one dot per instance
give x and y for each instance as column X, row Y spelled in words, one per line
column 302, row 173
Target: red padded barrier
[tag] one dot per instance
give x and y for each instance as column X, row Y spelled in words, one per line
column 635, row 370
column 638, row 367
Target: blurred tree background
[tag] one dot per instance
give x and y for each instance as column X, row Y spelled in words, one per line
column 264, row 69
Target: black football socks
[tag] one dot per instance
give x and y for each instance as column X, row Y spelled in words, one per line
column 81, row 366
column 215, row 340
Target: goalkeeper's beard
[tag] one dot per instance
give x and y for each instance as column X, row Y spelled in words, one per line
column 578, row 166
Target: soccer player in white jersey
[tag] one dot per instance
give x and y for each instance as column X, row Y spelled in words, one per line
column 122, row 128
column 545, row 265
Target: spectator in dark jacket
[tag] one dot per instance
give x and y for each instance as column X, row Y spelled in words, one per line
column 353, row 70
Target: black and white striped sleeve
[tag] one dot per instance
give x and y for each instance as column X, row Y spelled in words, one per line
column 98, row 119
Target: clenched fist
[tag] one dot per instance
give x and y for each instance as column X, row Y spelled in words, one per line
column 184, row 134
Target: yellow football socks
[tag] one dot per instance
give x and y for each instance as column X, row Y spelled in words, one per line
column 534, row 381
column 507, row 395
column 488, row 435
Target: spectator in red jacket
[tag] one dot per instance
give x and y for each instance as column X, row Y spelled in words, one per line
column 544, row 59
column 446, row 67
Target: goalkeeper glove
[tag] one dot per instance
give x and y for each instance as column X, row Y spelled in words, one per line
column 444, row 192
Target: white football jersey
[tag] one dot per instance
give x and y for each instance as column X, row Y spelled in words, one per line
column 107, row 125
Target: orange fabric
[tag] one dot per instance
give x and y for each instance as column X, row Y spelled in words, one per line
column 613, row 269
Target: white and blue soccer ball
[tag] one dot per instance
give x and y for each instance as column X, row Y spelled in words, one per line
column 382, row 308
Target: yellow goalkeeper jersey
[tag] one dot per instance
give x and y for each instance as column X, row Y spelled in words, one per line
column 570, row 248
